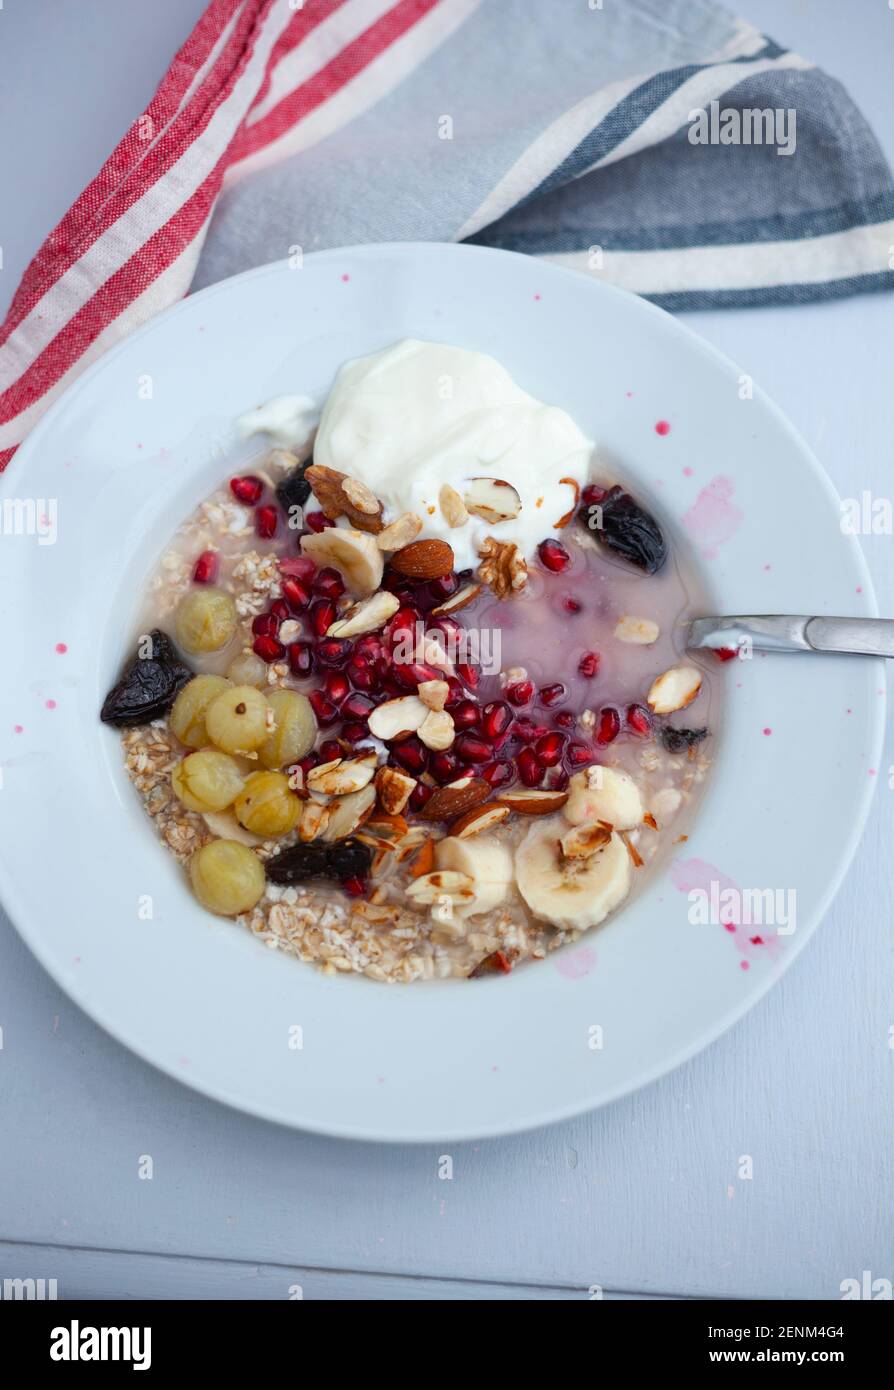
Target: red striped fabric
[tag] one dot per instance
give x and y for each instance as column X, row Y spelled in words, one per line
column 129, row 244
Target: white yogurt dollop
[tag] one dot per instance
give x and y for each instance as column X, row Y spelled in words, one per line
column 419, row 415
column 287, row 419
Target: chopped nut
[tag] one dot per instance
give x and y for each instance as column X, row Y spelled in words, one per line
column 433, row 693
column 314, row 819
column 641, row 631
column 348, row 812
column 492, row 499
column 436, row 731
column 674, row 690
column 459, row 600
column 584, row 840
column 400, row 532
column 362, row 498
column 368, row 615
column 429, row 889
column 566, row 516
column 329, row 489
column 394, row 789
column 400, row 716
column 339, row 777
column 502, row 567
column 453, row 507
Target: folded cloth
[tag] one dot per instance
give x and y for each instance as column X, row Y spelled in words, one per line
column 663, row 145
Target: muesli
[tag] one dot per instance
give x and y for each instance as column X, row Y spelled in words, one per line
column 409, row 703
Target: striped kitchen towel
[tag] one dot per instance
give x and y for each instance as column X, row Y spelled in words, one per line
column 661, row 144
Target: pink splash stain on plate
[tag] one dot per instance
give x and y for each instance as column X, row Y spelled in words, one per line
column 751, row 942
column 574, row 965
column 713, row 517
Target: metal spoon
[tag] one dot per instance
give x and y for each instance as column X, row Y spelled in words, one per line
column 780, row 633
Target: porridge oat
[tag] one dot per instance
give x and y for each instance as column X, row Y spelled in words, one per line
column 412, row 704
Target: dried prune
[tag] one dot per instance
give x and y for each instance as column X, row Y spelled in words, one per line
column 620, row 524
column 678, row 740
column 344, row 859
column 294, row 489
column 149, row 683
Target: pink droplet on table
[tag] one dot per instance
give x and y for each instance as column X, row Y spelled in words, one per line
column 61, row 648
column 50, row 704
column 687, row 472
column 767, row 732
column 663, row 427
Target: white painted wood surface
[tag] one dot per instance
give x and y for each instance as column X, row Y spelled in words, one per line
column 642, row 1198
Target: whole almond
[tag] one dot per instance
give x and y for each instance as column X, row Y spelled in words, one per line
column 399, row 532
column 329, row 489
column 430, row 559
column 451, row 801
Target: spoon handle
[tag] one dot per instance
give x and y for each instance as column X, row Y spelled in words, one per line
column 779, row 633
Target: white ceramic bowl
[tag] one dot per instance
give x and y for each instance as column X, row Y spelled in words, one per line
column 198, row 996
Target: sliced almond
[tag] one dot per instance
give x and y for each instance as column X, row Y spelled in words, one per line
column 446, row 803
column 429, row 559
column 433, row 693
column 394, row 789
column 459, row 600
column 400, row 716
column 390, row 827
column 481, row 818
column 640, row 631
column 492, row 499
column 424, row 860
column 399, row 532
column 329, row 489
column 314, row 819
column 225, row 826
column 674, row 690
column 342, row 777
column 531, row 801
column 368, row 615
column 348, row 813
column 362, row 498
column 453, row 508
column 566, row 516
column 583, row 840
column 436, row 731
column 433, row 888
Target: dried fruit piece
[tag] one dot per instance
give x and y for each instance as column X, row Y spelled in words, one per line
column 502, row 567
column 148, row 684
column 622, row 526
column 346, row 859
column 453, row 508
column 678, row 740
column 369, row 615
column 446, row 803
column 267, row 806
column 428, row 559
column 329, row 489
column 674, row 689
column 205, row 620
column 399, row 532
column 639, row 631
column 492, row 499
column 227, row 878
column 293, row 490
column 533, row 802
column 187, row 717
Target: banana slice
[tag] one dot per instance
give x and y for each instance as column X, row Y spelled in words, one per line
column 353, row 553
column 604, row 793
column 577, row 893
column 488, row 864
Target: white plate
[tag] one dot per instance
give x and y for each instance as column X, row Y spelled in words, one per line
column 198, row 996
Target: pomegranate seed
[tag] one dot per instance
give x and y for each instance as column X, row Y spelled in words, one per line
column 296, row 595
column 496, row 719
column 609, row 725
column 336, row 686
column 592, row 493
column 451, row 629
column 309, row 761
column 725, row 653
column 247, row 490
column 419, row 795
column 571, row 604
column 265, row 625
column 442, row 588
column 520, row 692
column 466, row 715
column 266, row 522
column 552, row 694
column 639, row 720
column 588, row 666
column 329, row 750
column 414, row 673
column 549, row 749
column 369, row 647
column 411, row 754
column 356, row 706
column 334, row 651
column 206, row 567
column 360, row 673
column 280, row 609
column 554, row 555
column 301, row 658
column 268, row 649
column 578, row 754
column 526, row 731
column 444, row 767
column 317, row 521
column 355, row 887
column 498, row 773
column 529, row 768
column 471, row 749
column 323, row 708
column 354, row 732
column 455, row 694
column 467, row 674
column 328, row 583
column 557, row 779
column 322, row 616
column 564, row 719
column 298, row 567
